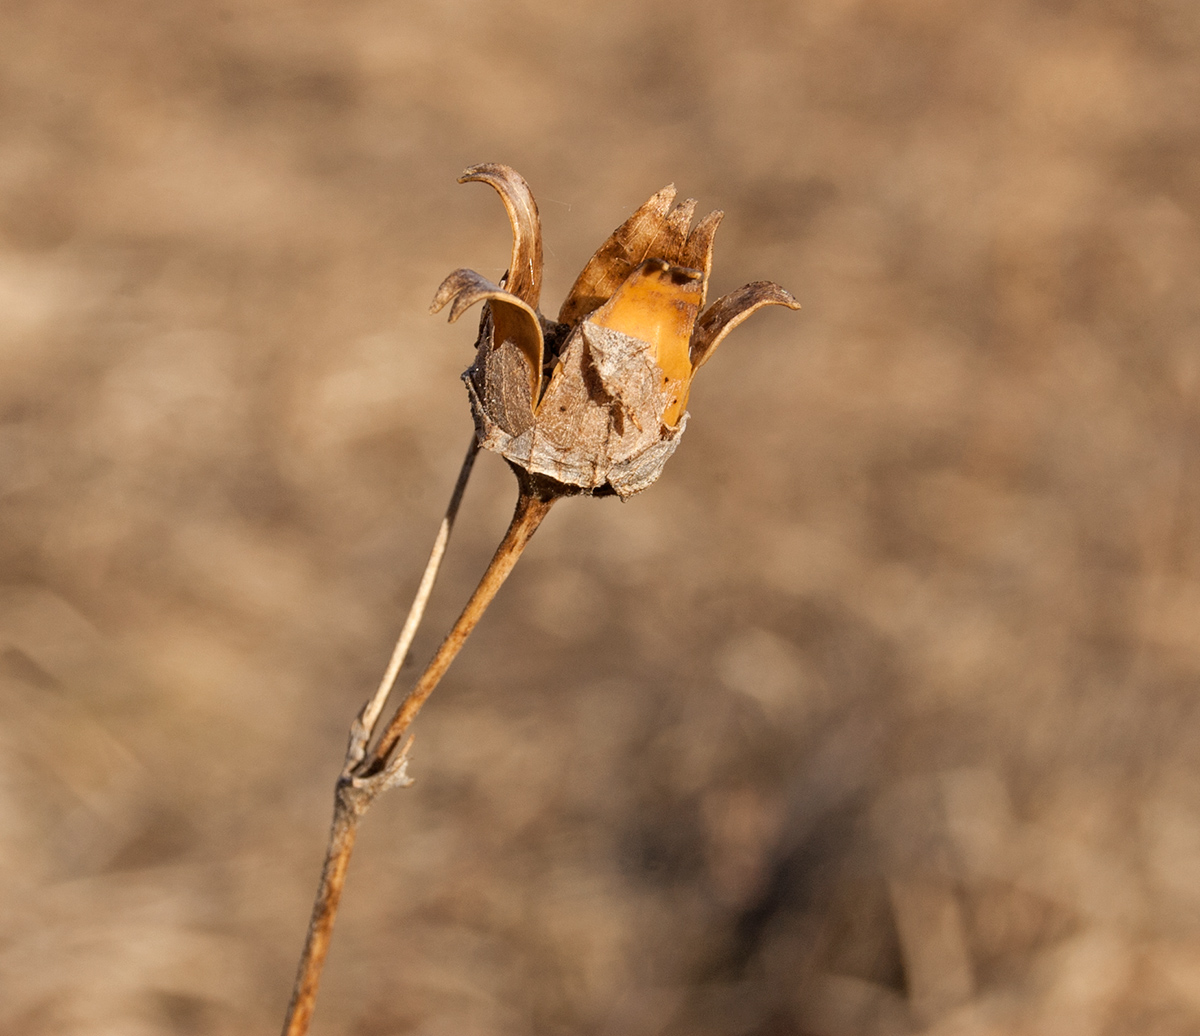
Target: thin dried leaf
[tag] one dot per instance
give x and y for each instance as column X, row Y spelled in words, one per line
column 730, row 310
column 525, row 271
column 639, row 238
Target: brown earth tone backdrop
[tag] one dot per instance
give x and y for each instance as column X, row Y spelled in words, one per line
column 878, row 714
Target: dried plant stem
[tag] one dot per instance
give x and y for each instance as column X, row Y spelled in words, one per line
column 352, row 798
column 371, row 711
column 364, row 776
column 531, row 509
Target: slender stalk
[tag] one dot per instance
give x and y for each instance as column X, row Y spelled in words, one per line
column 351, row 803
column 371, row 711
column 365, row 776
column 531, row 509
column 352, row 797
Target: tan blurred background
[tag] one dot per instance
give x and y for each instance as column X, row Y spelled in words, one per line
column 877, row 714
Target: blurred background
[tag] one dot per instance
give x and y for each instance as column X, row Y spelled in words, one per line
column 878, row 714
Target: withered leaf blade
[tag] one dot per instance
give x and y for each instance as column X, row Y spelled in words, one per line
column 639, row 238
column 513, row 320
column 525, row 270
column 730, row 310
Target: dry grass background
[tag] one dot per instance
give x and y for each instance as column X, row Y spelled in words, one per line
column 878, row 714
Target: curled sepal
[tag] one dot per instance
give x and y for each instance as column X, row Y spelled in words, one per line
column 637, row 239
column 525, row 270
column 730, row 310
column 513, row 320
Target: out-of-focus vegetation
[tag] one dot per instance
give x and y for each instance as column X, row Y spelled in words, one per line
column 877, row 714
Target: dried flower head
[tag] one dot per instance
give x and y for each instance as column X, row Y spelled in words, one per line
column 596, row 400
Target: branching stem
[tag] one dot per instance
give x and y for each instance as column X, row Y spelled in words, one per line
column 530, row 511
column 368, row 772
column 372, row 710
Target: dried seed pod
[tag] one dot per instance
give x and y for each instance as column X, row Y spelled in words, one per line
column 596, row 401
